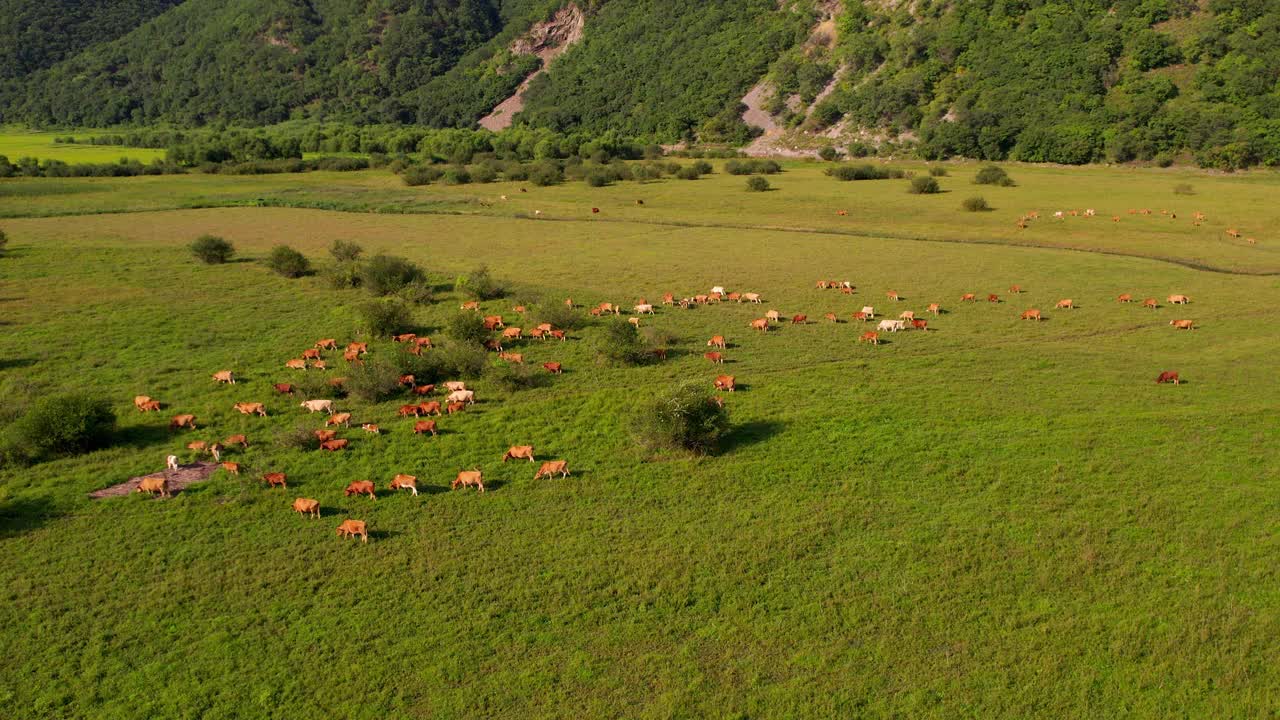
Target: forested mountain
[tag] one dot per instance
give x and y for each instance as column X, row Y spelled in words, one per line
column 1038, row 80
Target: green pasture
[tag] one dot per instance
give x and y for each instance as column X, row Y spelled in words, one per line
column 993, row 518
column 21, row 142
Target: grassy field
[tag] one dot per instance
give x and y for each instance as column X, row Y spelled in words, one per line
column 994, row 518
column 21, row 142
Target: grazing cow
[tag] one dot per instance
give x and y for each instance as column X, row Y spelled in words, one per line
column 869, row 312
column 316, row 406
column 321, row 365
column 425, row 426
column 224, row 376
column 1182, row 324
column 634, row 321
column 493, row 322
column 822, row 284
column 325, row 435
column 350, row 356
column 141, row 400
column 296, row 364
column 554, row 368
column 171, row 462
column 343, row 419
column 154, row 485
column 831, row 317
column 546, row 327
column 1015, row 289
column 934, row 308
column 236, row 440
column 751, row 298
column 231, row 467
column 700, row 299
column 660, row 353
column 465, row 396
column 1032, row 314
column 247, row 408
column 422, row 342
column 152, row 406
column 1150, row 303
column 668, row 299
column 871, row 337
column 842, row 213
column 360, row 487
column 538, row 334
column 352, row 528
column 773, row 316
column 892, row 295
column 455, row 407
column 552, row 467
column 515, row 358
column 1234, row 233
column 407, row 410
column 762, row 325
column 493, row 345
column 467, row 478
column 520, row 309
column 717, row 341
column 1179, row 299
column 1065, row 305
column 717, row 290
column 993, row 298
column 1125, row 298
column 183, row 421
column 310, row 354
column 358, row 347
column 846, row 290
column 430, row 408
column 407, row 380
column 273, row 479
column 216, row 451
column 424, row 389
column 198, row 446
column 800, row 319
column 558, row 334
column 714, row 357
column 1115, row 218
column 891, row 325
column 400, row 482
column 861, row 316
column 1168, row 376
column 969, row 297
column 371, row 429
column 307, row 507
column 470, row 305
column 907, row 315
column 644, row 309
column 920, row 324
column 327, row 344
column 518, row 452
column 725, row 382
column 512, row 333
column 283, row 388
column 404, row 337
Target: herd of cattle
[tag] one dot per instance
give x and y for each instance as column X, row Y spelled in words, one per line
column 458, row 396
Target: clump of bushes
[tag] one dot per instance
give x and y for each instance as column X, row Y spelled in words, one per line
column 562, row 317
column 59, row 425
column 456, row 176
column 388, row 274
column 757, row 184
column 345, row 251
column 212, row 250
column 686, row 418
column 938, row 172
column 923, row 186
column 299, row 437
column 829, row 153
column 479, row 285
column 993, row 175
column 511, row 377
column 621, row 343
column 865, row 171
column 416, row 175
column 467, row 328
column 316, row 386
column 688, row 173
column 374, row 381
column 544, row 174
column 287, row 262
column 976, row 204
column 752, row 167
column 463, row 360
column 385, row 317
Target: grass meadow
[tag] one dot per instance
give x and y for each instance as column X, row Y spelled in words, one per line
column 993, row 518
column 18, row 142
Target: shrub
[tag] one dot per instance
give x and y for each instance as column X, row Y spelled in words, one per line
column 345, row 251
column 287, row 262
column 313, row 386
column 621, row 343
column 421, row 175
column 456, row 176
column 343, row 275
column 1183, row 189
column 976, row 204
column 512, row 378
column 299, row 437
column 1164, row 160
column 562, row 317
column 688, row 173
column 387, row 274
column 386, row 317
column 374, row 381
column 60, row 425
column 462, row 360
column 484, row 174
column 418, row 292
column 467, row 328
column 993, row 175
column 938, row 172
column 858, row 172
column 923, row 186
column 860, row 150
column 479, row 285
column 757, row 184
column 828, row 153
column 703, row 167
column 4, row 242
column 544, row 174
column 598, row 179
column 685, row 418
column 212, row 250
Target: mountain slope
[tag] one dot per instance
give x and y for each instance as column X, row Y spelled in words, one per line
column 36, row 35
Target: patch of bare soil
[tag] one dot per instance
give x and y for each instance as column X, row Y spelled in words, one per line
column 548, row 40
column 178, row 480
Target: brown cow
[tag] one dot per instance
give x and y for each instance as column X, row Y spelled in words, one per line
column 552, row 467
column 1125, row 298
column 455, row 407
column 1015, row 289
column 668, row 299
column 493, row 322
column 1150, row 303
column 283, row 388
column 325, row 435
column 429, row 408
column 327, row 344
column 310, row 354
column 153, row 405
column 920, row 324
column 421, row 390
column 893, row 295
column 993, row 298
column 1179, row 299
column 660, row 353
column 1168, row 376
column 934, row 308
column 400, row 482
column 519, row 452
column 422, row 342
column 520, row 309
column 183, row 421
column 512, row 333
column 510, row 357
column 407, row 410
column 296, row 364
column 717, row 341
column 492, row 345
column 725, row 382
column 424, row 426
column 861, row 315
column 334, row 445
column 360, row 487
column 538, row 334
column 553, row 367
column 407, row 380
column 762, row 325
column 714, row 357
column 1065, row 305
column 273, row 479
column 1182, row 324
column 559, row 335
column 358, row 347
column 231, row 467
column 351, row 356
column 224, row 376
column 247, row 408
column 871, row 337
column 352, row 528
column 153, row 485
column 969, row 297
column 321, row 365
column 343, row 419
column 467, row 478
column 307, row 506
column 799, row 319
column 831, row 317
column 1032, row 314
column 141, row 401
column 404, row 337
column 236, row 440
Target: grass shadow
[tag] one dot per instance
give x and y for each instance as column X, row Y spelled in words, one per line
column 145, row 436
column 11, row 363
column 749, row 433
column 24, row 515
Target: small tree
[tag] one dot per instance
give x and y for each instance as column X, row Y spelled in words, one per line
column 993, row 175
column 345, row 251
column 479, row 285
column 923, row 186
column 938, row 171
column 688, row 173
column 374, row 381
column 212, row 250
column 757, row 184
column 287, row 262
column 60, row 425
column 685, row 418
column 463, row 360
column 467, row 328
column 621, row 343
column 386, row 317
column 562, row 317
column 387, row 274
column 511, row 377
column 976, row 204
column 828, row 153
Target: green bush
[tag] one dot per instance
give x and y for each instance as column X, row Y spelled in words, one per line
column 374, row 381
column 923, row 186
column 4, row 242
column 828, row 153
column 688, row 173
column 479, row 285
column 510, row 377
column 562, row 317
column 59, row 425
column 757, row 184
column 298, row 437
column 416, row 175
column 621, row 343
column 463, row 360
column 386, row 317
column 387, row 274
column 993, row 175
column 212, row 250
column 315, row 386
column 345, row 251
column 685, row 418
column 703, row 167
column 467, row 328
column 976, row 204
column 343, row 275
column 483, row 174
column 456, row 176
column 544, row 174
column 287, row 262
column 598, row 179
column 938, row 172
column 418, row 292
column 848, row 173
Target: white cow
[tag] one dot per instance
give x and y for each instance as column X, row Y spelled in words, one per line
column 751, row 297
column 774, row 315
column 455, row 385
column 869, row 311
column 718, row 290
column 892, row 325
column 908, row 315
column 316, row 406
column 171, row 462
column 644, row 309
column 463, row 396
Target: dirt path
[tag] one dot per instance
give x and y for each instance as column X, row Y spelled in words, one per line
column 548, row 40
column 178, row 480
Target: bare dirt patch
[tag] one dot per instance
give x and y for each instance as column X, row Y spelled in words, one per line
column 548, row 40
column 178, row 480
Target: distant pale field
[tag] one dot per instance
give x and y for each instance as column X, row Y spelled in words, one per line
column 993, row 518
column 18, row 143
